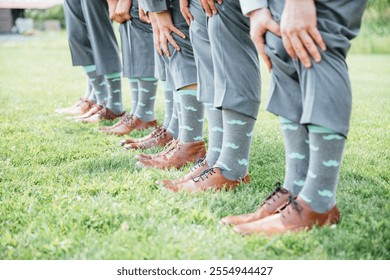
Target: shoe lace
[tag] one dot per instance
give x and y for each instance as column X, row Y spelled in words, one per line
column 275, row 194
column 159, row 132
column 103, row 111
column 291, row 206
column 174, row 147
column 199, row 163
column 205, row 174
column 127, row 119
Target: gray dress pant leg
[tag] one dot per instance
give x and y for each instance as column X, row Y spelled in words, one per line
column 181, row 64
column 235, row 60
column 91, row 36
column 320, row 95
column 202, row 53
column 137, row 46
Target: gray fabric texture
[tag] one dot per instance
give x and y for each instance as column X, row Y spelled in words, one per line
column 91, row 36
column 320, row 95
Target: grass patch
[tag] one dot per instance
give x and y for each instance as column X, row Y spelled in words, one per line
column 69, row 192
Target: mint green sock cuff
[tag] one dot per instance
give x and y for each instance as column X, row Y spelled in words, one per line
column 133, row 80
column 165, row 87
column 89, row 68
column 176, row 97
column 284, row 121
column 148, row 79
column 113, row 75
column 191, row 92
column 320, row 129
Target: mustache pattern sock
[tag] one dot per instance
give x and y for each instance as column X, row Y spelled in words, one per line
column 326, row 152
column 147, row 88
column 237, row 137
column 297, row 155
column 192, row 114
column 99, row 85
column 114, row 86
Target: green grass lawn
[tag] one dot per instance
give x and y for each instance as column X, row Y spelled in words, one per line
column 70, row 192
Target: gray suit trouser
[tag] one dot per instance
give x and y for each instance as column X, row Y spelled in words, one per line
column 91, row 36
column 137, row 46
column 235, row 59
column 320, row 95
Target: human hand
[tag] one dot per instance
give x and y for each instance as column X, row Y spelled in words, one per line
column 166, row 27
column 185, row 11
column 261, row 21
column 123, row 9
column 209, row 6
column 111, row 11
column 156, row 33
column 300, row 34
column 142, row 15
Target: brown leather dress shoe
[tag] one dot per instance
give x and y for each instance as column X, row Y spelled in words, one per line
column 82, row 108
column 200, row 166
column 166, row 149
column 180, row 155
column 92, row 111
column 275, row 201
column 210, row 179
column 123, row 119
column 155, row 132
column 158, row 140
column 129, row 124
column 296, row 216
column 103, row 114
column 70, row 109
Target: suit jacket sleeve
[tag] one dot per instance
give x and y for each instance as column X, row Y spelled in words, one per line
column 248, row 6
column 154, row 5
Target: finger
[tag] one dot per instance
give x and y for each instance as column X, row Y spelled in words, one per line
column 206, row 8
column 177, row 31
column 173, row 42
column 188, row 20
column 190, row 15
column 287, row 45
column 127, row 17
column 274, row 27
column 310, row 46
column 212, row 6
column 316, row 35
column 260, row 48
column 157, row 44
column 144, row 18
column 300, row 50
column 164, row 45
column 219, row 2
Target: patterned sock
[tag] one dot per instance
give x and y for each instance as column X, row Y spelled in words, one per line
column 168, row 93
column 173, row 127
column 88, row 88
column 147, row 88
column 98, row 83
column 177, row 106
column 192, row 116
column 326, row 152
column 237, row 137
column 214, row 118
column 297, row 155
column 134, row 94
column 92, row 96
column 114, row 102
